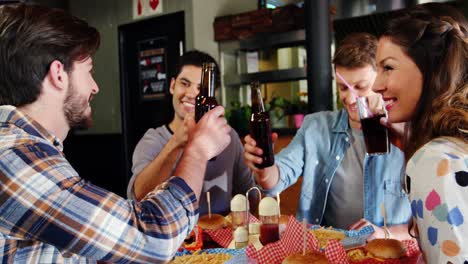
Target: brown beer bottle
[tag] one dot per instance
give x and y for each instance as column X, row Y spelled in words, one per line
column 260, row 127
column 206, row 100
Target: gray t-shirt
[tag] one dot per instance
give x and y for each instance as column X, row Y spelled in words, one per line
column 225, row 177
column 345, row 202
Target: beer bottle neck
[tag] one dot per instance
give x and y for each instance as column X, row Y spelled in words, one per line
column 257, row 101
column 207, row 85
column 211, row 83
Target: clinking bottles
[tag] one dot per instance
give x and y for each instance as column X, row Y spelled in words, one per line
column 206, row 100
column 260, row 127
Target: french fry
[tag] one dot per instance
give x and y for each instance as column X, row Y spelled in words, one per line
column 357, row 255
column 323, row 235
column 196, row 258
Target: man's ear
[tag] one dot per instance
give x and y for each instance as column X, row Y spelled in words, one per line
column 57, row 75
column 171, row 87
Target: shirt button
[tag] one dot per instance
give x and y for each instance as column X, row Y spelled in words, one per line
column 316, row 162
column 337, row 157
column 316, row 220
column 326, row 180
column 347, row 139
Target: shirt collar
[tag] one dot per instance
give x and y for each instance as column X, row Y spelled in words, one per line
column 341, row 124
column 11, row 115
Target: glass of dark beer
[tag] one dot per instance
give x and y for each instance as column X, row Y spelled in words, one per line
column 371, row 109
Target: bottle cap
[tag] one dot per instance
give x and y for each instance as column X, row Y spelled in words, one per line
column 239, row 203
column 268, row 207
column 241, row 234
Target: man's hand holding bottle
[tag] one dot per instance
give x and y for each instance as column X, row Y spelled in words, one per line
column 210, row 136
column 266, row 177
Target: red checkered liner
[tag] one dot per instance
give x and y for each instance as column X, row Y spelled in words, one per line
column 293, row 234
column 224, row 236
column 251, row 252
column 412, row 248
column 335, row 252
column 290, row 242
column 271, row 253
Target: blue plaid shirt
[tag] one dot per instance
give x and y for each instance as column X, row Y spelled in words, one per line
column 48, row 214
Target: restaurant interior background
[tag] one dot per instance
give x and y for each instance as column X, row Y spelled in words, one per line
column 102, row 154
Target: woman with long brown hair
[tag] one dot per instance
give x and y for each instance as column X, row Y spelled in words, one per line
column 422, row 62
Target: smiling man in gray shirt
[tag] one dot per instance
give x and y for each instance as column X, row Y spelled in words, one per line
column 157, row 153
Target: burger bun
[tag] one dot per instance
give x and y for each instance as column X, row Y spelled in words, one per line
column 386, row 248
column 309, row 257
column 214, row 223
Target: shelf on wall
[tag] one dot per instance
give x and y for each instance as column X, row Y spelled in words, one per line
column 286, row 75
column 265, row 40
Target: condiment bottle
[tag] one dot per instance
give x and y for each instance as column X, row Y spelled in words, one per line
column 269, row 216
column 239, row 211
column 241, row 237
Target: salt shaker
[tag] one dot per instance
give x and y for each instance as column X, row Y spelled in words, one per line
column 239, row 211
column 241, row 237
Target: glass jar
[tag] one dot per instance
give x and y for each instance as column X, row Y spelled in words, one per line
column 239, row 219
column 239, row 211
column 269, row 217
column 241, row 237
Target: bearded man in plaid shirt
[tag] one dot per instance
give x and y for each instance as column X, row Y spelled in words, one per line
column 48, row 214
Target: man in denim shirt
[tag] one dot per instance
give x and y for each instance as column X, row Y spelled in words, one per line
column 342, row 186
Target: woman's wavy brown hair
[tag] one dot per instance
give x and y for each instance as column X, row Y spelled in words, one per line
column 435, row 37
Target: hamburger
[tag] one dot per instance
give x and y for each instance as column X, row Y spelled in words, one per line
column 309, row 257
column 214, row 223
column 386, row 248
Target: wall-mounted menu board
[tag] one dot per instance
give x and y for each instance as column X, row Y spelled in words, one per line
column 152, row 68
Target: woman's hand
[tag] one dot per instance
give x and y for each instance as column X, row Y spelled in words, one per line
column 399, row 232
column 378, row 231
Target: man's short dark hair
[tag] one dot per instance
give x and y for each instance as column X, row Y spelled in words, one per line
column 197, row 58
column 356, row 50
column 31, row 38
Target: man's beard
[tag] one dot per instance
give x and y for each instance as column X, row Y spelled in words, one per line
column 75, row 108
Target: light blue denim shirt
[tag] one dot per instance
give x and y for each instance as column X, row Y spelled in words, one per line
column 317, row 150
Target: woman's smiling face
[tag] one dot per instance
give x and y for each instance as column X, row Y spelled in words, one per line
column 399, row 80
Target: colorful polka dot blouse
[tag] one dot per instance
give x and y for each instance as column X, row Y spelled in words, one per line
column 437, row 180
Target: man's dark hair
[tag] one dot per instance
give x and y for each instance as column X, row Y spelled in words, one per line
column 31, row 38
column 197, row 58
